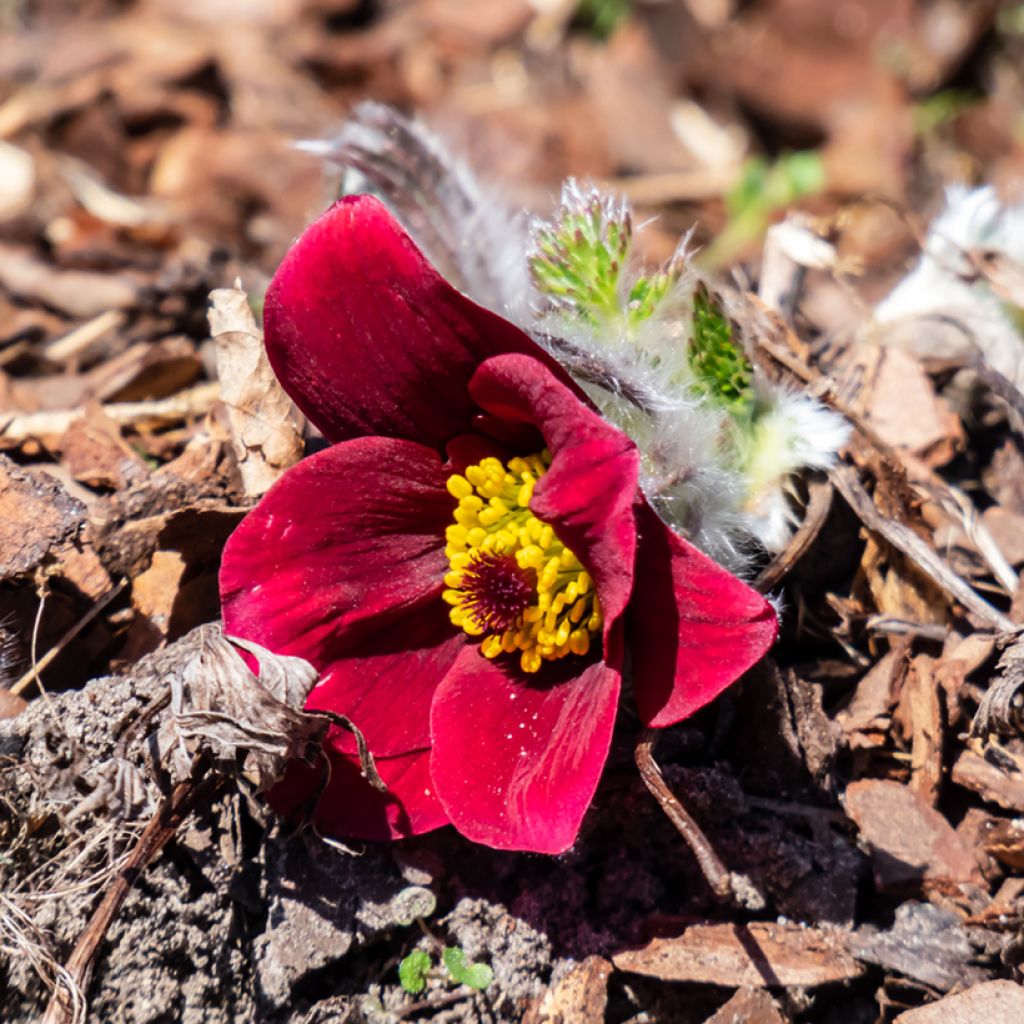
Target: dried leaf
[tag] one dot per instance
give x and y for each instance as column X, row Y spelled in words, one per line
column 249, row 726
column 898, row 399
column 1002, row 708
column 265, row 426
column 97, row 455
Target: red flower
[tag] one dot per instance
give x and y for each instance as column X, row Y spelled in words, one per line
column 465, row 562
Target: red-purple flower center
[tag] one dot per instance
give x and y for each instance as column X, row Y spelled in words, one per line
column 497, row 590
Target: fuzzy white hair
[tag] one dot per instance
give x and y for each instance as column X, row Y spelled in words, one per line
column 943, row 307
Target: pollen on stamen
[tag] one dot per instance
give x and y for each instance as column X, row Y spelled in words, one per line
column 511, row 581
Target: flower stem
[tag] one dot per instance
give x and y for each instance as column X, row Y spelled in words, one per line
column 724, row 883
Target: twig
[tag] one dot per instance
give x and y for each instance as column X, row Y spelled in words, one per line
column 676, row 186
column 184, row 799
column 910, row 544
column 434, row 1002
column 195, row 401
column 74, row 343
column 724, row 883
column 819, row 503
column 32, row 675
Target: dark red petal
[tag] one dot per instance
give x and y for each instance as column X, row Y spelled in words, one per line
column 695, row 628
column 353, row 534
column 516, row 761
column 385, row 681
column 368, row 338
column 350, row 808
column 588, row 494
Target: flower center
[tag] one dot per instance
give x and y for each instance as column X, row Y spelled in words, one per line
column 510, row 577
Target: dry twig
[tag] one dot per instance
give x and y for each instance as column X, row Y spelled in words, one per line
column 724, row 883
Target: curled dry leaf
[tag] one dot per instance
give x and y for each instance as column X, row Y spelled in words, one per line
column 266, row 430
column 248, row 726
column 1002, row 708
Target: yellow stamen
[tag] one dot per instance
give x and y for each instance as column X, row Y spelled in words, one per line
column 511, row 580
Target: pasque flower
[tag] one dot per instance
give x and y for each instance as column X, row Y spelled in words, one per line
column 470, row 564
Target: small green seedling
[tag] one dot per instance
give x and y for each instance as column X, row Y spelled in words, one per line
column 413, row 971
column 415, row 968
column 477, row 976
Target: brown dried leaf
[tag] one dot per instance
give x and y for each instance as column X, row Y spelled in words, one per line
column 265, row 426
column 36, row 516
column 911, row 843
column 220, row 708
column 144, row 371
column 994, row 1002
column 1001, row 711
column 761, row 955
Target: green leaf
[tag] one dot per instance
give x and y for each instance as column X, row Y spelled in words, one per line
column 602, row 17
column 477, row 976
column 413, row 970
column 723, row 372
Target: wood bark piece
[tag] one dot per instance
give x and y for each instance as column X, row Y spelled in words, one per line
column 989, row 782
column 994, row 1002
column 579, row 998
column 749, row 1006
column 759, row 955
column 921, row 714
column 910, row 841
column 36, row 516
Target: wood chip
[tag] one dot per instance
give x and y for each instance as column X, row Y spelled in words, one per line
column 920, row 715
column 990, row 782
column 97, row 455
column 36, row 516
column 78, row 293
column 926, row 943
column 994, row 1002
column 579, row 998
column 748, row 1006
column 910, row 841
column 865, row 719
column 760, row 955
column 11, row 705
column 899, row 401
